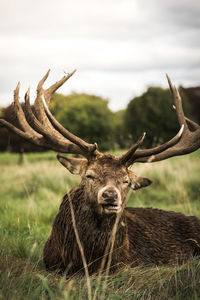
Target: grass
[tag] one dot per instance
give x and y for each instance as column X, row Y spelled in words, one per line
column 30, row 195
column 8, row 158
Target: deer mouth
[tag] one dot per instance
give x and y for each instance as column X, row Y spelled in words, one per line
column 111, row 208
column 109, row 199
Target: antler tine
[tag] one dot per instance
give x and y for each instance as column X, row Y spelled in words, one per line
column 177, row 103
column 87, row 148
column 38, row 107
column 19, row 111
column 125, row 158
column 53, row 88
column 34, row 122
column 192, row 123
column 41, row 82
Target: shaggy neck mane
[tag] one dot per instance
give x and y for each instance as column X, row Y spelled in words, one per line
column 85, row 213
column 94, row 230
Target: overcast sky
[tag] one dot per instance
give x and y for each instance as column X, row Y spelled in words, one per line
column 119, row 47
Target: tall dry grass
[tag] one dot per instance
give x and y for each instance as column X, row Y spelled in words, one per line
column 29, row 198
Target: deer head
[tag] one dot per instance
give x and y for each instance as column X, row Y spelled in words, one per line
column 106, row 178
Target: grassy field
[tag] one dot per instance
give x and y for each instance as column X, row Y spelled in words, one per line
column 30, row 195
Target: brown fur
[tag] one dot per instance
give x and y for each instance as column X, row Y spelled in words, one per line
column 145, row 236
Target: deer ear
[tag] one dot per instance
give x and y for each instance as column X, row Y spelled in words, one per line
column 138, row 182
column 74, row 165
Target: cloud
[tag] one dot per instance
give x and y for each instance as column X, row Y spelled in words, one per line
column 119, row 47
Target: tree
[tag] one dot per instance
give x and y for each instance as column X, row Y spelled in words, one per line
column 152, row 112
column 87, row 116
column 193, row 96
column 1, row 112
column 120, row 131
column 9, row 141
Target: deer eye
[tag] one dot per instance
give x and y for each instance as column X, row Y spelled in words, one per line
column 126, row 181
column 89, row 176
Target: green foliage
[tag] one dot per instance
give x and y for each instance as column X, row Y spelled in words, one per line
column 30, row 195
column 1, row 112
column 87, row 116
column 152, row 112
column 120, row 130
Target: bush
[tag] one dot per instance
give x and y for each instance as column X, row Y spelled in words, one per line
column 87, row 116
column 152, row 112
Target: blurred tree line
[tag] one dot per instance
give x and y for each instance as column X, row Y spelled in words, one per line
column 89, row 117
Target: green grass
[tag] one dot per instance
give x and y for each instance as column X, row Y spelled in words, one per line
column 8, row 158
column 30, row 195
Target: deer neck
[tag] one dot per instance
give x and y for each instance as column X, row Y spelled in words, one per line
column 85, row 214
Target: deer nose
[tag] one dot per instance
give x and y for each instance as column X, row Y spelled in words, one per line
column 110, row 196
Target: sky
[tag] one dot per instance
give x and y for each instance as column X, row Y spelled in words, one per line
column 119, row 47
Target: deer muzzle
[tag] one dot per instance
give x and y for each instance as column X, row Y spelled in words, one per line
column 109, row 198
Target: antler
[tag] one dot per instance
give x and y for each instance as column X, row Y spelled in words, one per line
column 186, row 141
column 40, row 127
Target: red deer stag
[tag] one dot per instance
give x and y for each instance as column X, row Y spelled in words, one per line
column 144, row 236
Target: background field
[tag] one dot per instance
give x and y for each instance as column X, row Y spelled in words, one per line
column 30, row 195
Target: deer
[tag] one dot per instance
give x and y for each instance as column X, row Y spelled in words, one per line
column 95, row 210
